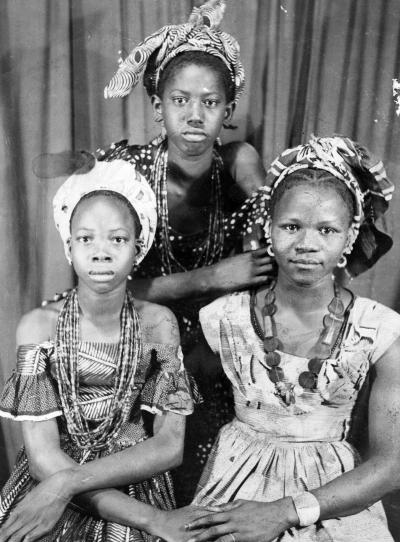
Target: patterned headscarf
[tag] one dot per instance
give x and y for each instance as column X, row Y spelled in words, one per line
column 200, row 33
column 117, row 176
column 352, row 164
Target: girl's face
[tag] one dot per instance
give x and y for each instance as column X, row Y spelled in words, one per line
column 309, row 233
column 102, row 243
column 193, row 107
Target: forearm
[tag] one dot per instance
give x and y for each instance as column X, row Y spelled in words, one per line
column 197, row 283
column 357, row 489
column 132, row 465
column 109, row 504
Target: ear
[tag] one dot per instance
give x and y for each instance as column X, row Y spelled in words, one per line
column 156, row 103
column 267, row 228
column 229, row 109
column 351, row 237
column 137, row 251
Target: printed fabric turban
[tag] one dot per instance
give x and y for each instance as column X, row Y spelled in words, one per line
column 352, row 164
column 117, row 176
column 200, row 33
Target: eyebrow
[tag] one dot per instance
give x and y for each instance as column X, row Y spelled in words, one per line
column 208, row 93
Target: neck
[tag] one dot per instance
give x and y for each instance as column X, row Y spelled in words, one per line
column 188, row 167
column 304, row 298
column 101, row 306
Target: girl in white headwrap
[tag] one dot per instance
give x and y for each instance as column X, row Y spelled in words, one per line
column 99, row 385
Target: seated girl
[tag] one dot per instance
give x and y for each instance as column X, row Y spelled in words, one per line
column 306, row 359
column 100, row 390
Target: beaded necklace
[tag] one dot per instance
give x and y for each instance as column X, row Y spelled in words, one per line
column 210, row 251
column 334, row 325
column 87, row 434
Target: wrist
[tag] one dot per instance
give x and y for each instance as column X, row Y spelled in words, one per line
column 67, row 479
column 290, row 514
column 153, row 521
column 307, row 508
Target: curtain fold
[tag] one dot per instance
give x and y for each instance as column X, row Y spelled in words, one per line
column 313, row 66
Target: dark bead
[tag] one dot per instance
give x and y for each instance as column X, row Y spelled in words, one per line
column 271, row 344
column 315, row 365
column 272, row 359
column 328, row 321
column 307, row 380
column 275, row 374
column 323, row 351
column 268, row 310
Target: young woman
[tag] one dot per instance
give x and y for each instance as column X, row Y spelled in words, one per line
column 194, row 76
column 306, row 359
column 99, row 385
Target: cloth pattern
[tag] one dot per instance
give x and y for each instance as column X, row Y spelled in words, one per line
column 271, row 450
column 363, row 175
column 118, row 176
column 161, row 384
column 203, row 426
column 200, row 33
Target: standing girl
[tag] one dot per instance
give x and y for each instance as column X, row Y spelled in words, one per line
column 194, row 76
column 99, row 388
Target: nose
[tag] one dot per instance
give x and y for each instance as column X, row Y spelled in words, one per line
column 195, row 112
column 307, row 241
column 100, row 253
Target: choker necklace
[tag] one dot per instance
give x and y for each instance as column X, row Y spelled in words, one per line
column 323, row 350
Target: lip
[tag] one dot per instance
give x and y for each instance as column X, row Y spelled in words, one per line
column 194, row 135
column 305, row 262
column 101, row 275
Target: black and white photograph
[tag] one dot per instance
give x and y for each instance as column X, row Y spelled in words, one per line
column 200, row 271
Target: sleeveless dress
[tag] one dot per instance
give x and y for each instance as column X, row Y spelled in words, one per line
column 217, row 408
column 271, row 450
column 31, row 393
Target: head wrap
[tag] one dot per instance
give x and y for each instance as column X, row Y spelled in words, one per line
column 200, row 33
column 363, row 175
column 117, row 176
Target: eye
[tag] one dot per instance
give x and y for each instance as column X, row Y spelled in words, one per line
column 327, row 230
column 84, row 239
column 119, row 240
column 179, row 100
column 292, row 228
column 211, row 103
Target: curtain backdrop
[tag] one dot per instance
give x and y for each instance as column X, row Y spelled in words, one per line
column 313, row 66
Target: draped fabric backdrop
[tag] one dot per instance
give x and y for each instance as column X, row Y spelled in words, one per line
column 313, row 66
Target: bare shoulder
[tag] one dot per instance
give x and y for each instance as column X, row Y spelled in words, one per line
column 159, row 324
column 38, row 325
column 244, row 164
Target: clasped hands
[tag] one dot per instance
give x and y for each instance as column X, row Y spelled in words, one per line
column 238, row 521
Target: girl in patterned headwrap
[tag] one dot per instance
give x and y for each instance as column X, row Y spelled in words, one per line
column 308, row 360
column 100, row 390
column 194, row 76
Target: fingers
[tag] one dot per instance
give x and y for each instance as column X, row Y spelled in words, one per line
column 205, row 521
column 228, row 506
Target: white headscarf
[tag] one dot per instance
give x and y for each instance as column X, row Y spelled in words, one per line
column 117, row 176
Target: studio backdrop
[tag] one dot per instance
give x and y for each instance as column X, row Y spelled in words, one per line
column 312, row 66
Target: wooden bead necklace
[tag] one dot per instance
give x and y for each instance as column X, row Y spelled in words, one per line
column 334, row 324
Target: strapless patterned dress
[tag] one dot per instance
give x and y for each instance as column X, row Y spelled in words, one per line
column 161, row 384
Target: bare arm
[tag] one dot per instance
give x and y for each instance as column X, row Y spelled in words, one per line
column 345, row 495
column 230, row 274
column 379, row 474
column 62, row 478
column 245, row 166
